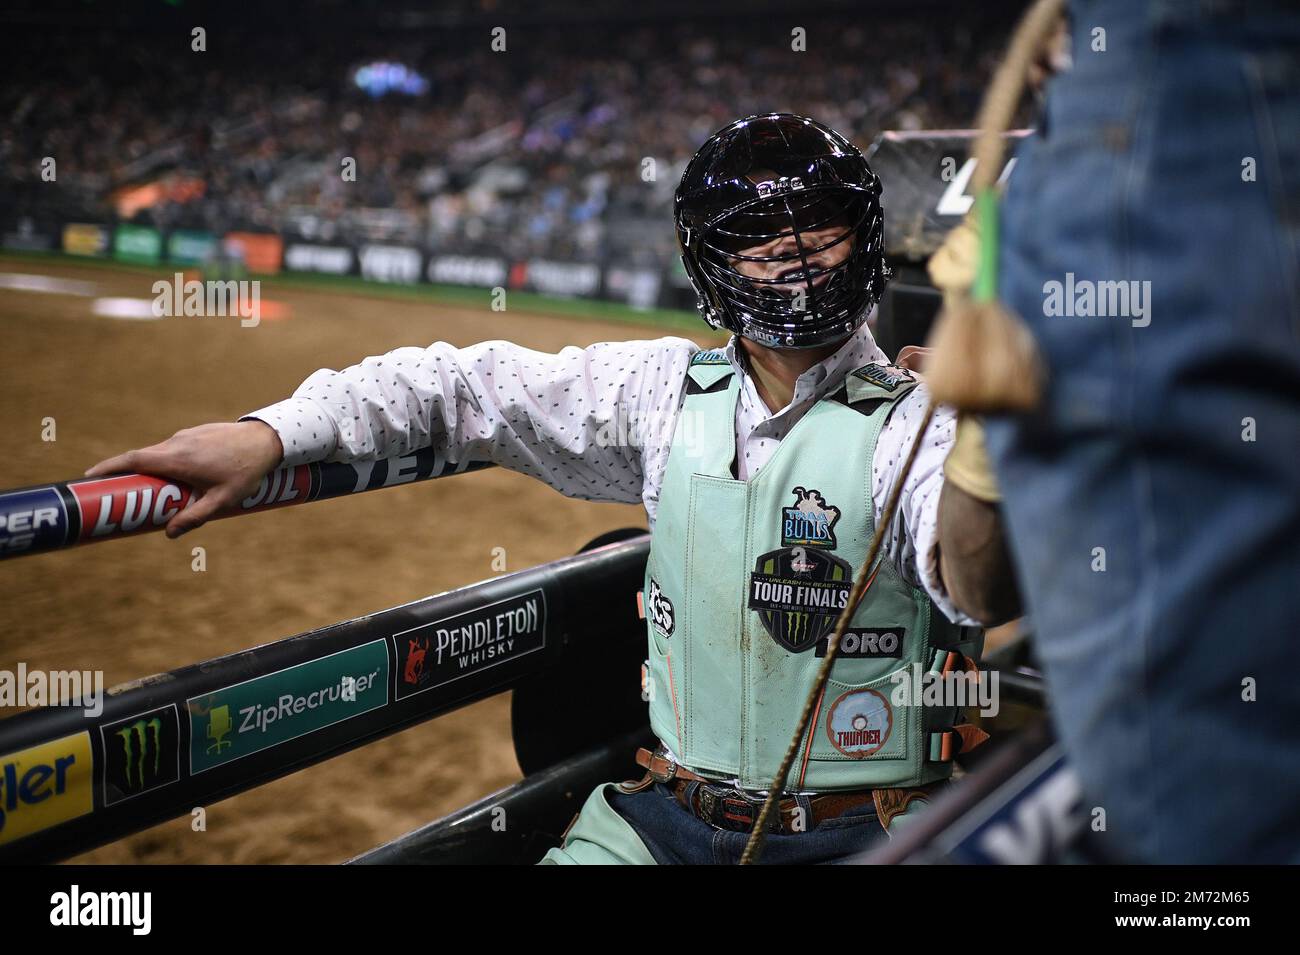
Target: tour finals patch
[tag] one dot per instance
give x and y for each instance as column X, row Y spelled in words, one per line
column 799, row 593
column 859, row 723
column 810, row 521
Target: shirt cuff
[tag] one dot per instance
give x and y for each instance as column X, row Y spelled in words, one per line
column 306, row 431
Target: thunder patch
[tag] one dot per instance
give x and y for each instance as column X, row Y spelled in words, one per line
column 859, row 723
column 799, row 593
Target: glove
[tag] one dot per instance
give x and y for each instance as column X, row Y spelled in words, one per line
column 967, row 465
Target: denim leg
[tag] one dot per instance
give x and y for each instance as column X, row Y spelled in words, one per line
column 675, row 837
column 1168, row 444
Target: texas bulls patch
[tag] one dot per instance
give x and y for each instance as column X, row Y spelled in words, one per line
column 810, row 520
column 799, row 593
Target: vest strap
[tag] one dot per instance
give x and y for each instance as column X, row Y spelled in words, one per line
column 946, row 744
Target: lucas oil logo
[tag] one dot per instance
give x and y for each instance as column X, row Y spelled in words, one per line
column 810, row 521
column 659, row 609
column 859, row 723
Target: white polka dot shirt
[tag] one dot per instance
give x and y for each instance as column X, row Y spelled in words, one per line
column 596, row 423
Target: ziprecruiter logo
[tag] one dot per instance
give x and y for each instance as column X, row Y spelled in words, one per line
column 269, row 710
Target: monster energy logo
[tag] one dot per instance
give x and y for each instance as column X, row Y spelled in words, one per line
column 796, row 626
column 140, row 754
column 135, row 743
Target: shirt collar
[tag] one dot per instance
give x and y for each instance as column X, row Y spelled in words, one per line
column 857, row 350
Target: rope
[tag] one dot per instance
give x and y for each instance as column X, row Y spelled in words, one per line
column 756, row 838
column 996, row 113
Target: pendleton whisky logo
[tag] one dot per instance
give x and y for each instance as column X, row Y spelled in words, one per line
column 141, row 753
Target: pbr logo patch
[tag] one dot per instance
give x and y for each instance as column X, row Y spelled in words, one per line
column 859, row 723
column 659, row 609
column 798, row 593
column 810, row 521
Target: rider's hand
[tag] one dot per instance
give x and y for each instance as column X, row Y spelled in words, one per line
column 223, row 463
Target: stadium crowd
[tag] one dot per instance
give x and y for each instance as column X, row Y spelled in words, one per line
column 567, row 144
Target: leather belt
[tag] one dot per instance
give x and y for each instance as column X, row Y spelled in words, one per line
column 725, row 807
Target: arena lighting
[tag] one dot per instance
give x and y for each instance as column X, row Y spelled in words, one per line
column 382, row 77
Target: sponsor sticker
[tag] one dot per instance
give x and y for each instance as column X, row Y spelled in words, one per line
column 131, row 502
column 32, row 519
column 809, row 521
column 859, row 722
column 81, row 238
column 660, row 610
column 307, row 257
column 886, row 376
column 141, row 753
column 269, row 710
column 390, row 263
column 45, row 785
column 798, row 593
column 125, row 504
column 480, row 271
column 712, row 356
column 435, row 654
column 863, row 644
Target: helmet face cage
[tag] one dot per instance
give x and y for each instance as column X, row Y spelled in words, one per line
column 789, row 261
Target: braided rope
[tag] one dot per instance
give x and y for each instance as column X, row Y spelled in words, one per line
column 754, row 847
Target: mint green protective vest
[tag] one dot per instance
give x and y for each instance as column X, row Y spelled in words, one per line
column 744, row 584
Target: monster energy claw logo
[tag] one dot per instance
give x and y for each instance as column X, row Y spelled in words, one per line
column 135, row 745
column 141, row 753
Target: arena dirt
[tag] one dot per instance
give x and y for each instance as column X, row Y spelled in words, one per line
column 135, row 607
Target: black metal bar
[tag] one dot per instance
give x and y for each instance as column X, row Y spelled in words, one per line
column 518, row 824
column 169, row 743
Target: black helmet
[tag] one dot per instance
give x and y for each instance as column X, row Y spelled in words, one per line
column 776, row 181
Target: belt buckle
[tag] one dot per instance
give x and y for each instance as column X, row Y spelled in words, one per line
column 663, row 778
column 737, row 811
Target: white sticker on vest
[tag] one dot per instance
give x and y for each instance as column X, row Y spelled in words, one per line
column 859, row 723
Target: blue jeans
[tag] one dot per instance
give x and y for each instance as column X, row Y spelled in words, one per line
column 675, row 837
column 1154, row 500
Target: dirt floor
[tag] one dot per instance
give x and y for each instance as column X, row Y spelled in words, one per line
column 134, row 607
